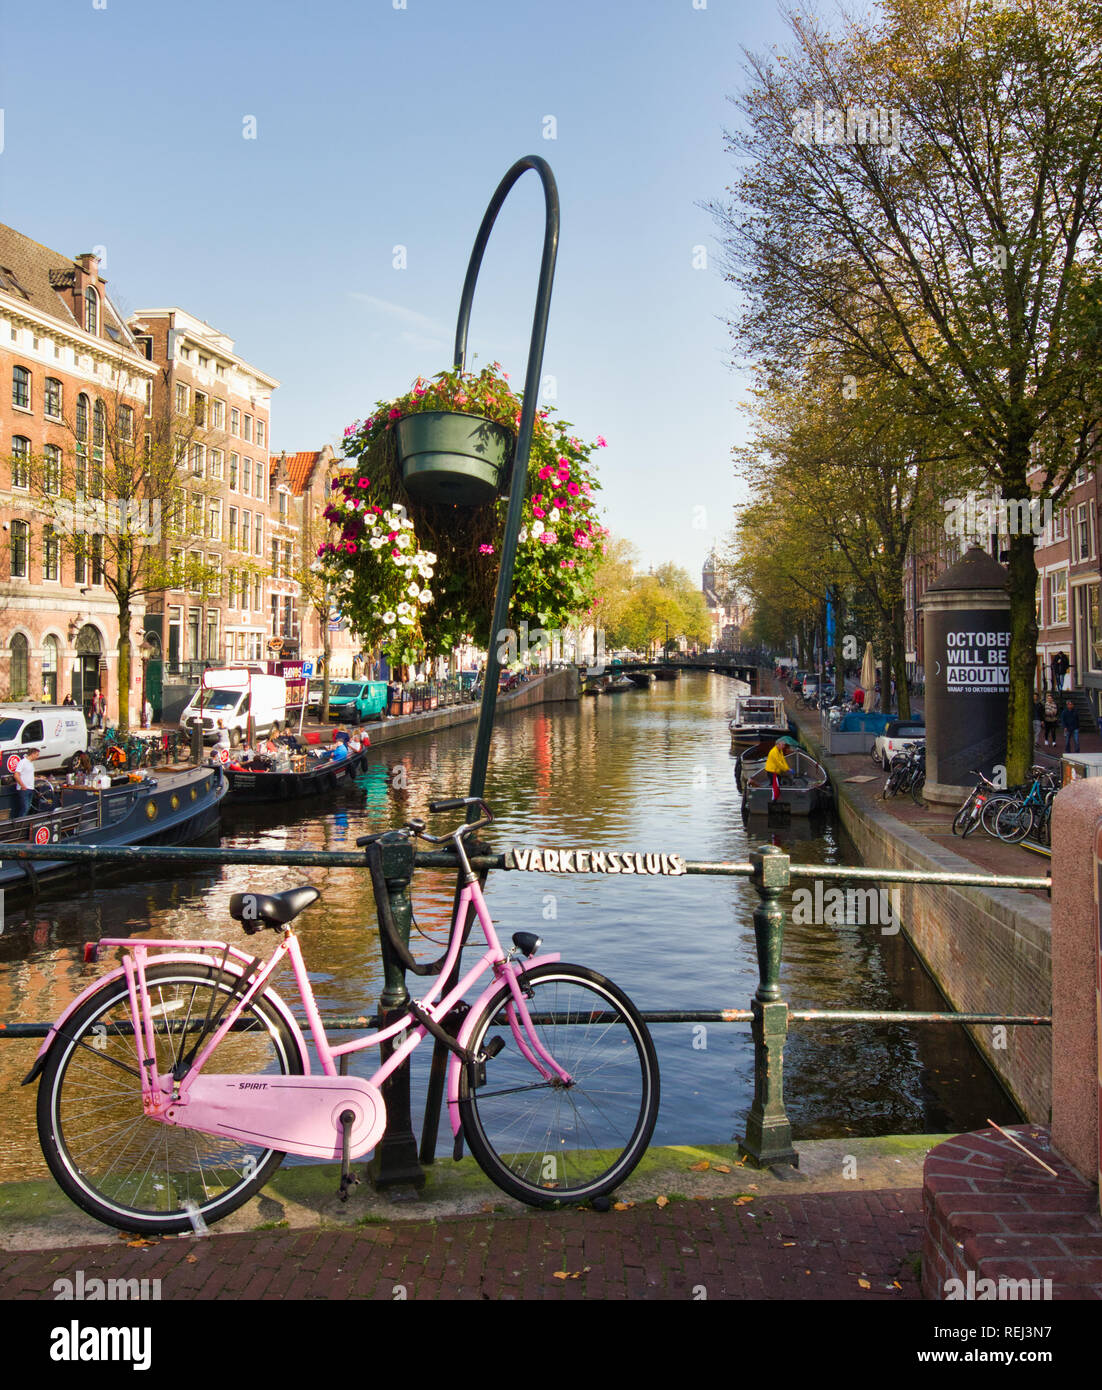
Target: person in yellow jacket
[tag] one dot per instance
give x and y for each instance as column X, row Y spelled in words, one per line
column 775, row 764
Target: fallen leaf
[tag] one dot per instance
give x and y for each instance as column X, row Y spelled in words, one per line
column 722, row 1168
column 896, row 1284
column 742, row 1199
column 864, row 1283
column 787, row 1243
column 191, row 1259
column 622, row 1206
column 662, row 1201
column 487, row 1206
column 701, row 1167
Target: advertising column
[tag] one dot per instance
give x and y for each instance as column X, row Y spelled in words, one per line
column 967, row 655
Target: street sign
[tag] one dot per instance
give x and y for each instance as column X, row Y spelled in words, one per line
column 307, row 668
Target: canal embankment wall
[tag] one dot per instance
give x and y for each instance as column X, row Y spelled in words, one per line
column 552, row 688
column 988, row 949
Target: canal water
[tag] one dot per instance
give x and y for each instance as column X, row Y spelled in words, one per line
column 644, row 771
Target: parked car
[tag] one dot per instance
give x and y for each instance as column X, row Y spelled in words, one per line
column 355, row 701
column 896, row 733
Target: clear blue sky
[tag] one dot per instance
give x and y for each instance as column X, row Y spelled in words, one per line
column 380, row 126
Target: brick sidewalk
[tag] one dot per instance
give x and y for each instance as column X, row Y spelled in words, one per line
column 818, row 1246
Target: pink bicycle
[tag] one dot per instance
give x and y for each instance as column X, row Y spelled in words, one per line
column 172, row 1089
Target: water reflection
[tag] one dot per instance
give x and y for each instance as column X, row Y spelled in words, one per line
column 648, row 771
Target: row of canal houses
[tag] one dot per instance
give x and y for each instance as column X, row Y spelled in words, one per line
column 84, row 390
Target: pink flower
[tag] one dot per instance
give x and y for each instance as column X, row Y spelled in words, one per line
column 538, row 511
column 573, row 489
column 485, row 550
column 350, row 546
column 392, row 535
column 505, row 375
column 602, row 443
column 548, row 537
column 394, row 413
column 365, row 482
column 394, row 554
column 418, row 392
column 545, row 471
column 460, row 398
column 368, row 423
column 321, row 550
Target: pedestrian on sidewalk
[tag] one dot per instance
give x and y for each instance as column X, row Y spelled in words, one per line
column 1070, row 721
column 1038, row 722
column 147, row 715
column 1052, row 714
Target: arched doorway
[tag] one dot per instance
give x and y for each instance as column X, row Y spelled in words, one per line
column 86, row 668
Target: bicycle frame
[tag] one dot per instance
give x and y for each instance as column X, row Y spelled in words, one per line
column 298, row 1113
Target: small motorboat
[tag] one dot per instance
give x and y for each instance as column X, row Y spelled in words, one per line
column 804, row 789
column 752, row 759
column 757, row 717
column 618, row 684
column 643, row 679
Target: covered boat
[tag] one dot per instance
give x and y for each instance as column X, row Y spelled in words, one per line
column 133, row 809
column 297, row 776
column 804, row 789
column 757, row 717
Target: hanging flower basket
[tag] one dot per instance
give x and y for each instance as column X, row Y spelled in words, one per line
column 453, row 458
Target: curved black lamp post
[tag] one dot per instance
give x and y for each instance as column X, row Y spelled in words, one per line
column 517, row 489
column 524, row 432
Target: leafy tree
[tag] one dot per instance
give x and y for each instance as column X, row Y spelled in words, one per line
column 953, row 250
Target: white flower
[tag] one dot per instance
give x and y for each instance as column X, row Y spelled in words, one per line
column 403, row 542
column 376, row 542
column 537, row 529
column 388, row 617
column 553, row 515
column 425, row 596
column 403, row 609
column 524, row 533
column 405, row 619
column 413, row 590
column 430, row 558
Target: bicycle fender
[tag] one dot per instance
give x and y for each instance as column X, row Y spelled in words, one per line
column 454, row 1064
column 171, row 958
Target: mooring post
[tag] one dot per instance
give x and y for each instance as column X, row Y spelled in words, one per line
column 768, row 1137
column 395, row 1162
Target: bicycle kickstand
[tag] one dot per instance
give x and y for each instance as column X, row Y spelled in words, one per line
column 348, row 1178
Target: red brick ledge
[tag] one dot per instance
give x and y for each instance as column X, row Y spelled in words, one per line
column 992, row 1212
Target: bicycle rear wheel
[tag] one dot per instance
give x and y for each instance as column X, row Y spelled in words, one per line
column 115, row 1162
column 541, row 1141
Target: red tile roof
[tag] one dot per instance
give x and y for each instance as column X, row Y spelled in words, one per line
column 299, row 468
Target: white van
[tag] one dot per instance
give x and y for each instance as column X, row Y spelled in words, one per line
column 59, row 732
column 233, row 697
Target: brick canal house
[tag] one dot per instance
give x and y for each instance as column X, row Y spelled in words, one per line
column 309, row 477
column 221, row 594
column 74, row 379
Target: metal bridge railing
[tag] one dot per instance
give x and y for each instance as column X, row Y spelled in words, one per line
column 768, row 1135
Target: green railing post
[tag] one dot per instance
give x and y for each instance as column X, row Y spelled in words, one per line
column 395, row 1162
column 768, row 1137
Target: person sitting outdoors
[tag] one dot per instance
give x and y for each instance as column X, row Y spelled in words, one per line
column 859, row 698
column 339, row 753
column 341, row 735
column 355, row 743
column 24, row 781
column 777, row 766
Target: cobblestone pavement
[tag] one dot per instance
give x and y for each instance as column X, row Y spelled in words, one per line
column 841, row 1245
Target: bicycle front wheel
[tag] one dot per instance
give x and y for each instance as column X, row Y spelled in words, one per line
column 1014, row 822
column 544, row 1142
column 115, row 1162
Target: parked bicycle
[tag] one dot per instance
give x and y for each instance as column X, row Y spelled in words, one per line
column 171, row 1090
column 907, row 772
column 968, row 817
